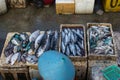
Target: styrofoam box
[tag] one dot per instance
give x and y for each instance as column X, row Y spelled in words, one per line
column 84, row 6
column 3, row 7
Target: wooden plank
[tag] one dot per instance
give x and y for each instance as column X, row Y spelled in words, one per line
column 95, row 56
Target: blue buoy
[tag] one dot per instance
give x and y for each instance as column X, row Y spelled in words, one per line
column 53, row 65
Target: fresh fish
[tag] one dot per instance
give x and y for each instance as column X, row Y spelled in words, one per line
column 66, row 31
column 23, row 57
column 54, row 41
column 66, row 39
column 38, row 40
column 78, row 50
column 32, row 59
column 16, row 42
column 19, row 57
column 24, row 36
column 9, row 49
column 15, row 49
column 34, row 36
column 31, row 51
column 72, row 37
column 72, row 49
column 63, row 35
column 67, row 51
column 8, row 59
column 63, row 48
column 14, row 58
column 39, row 52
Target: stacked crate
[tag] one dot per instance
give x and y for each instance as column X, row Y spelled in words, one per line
column 80, row 62
column 96, row 63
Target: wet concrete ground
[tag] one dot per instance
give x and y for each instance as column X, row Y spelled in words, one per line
column 31, row 18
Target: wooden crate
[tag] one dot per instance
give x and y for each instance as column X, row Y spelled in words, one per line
column 95, row 67
column 15, row 73
column 84, row 6
column 17, row 3
column 65, row 7
column 92, row 56
column 80, row 63
column 111, row 5
column 3, row 58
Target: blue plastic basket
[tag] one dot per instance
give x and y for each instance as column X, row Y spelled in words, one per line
column 112, row 73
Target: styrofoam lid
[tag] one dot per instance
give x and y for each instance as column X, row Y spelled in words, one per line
column 64, row 1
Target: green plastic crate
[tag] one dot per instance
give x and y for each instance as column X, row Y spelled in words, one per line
column 112, row 73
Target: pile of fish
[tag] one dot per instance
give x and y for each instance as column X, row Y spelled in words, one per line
column 23, row 47
column 72, row 41
column 101, row 41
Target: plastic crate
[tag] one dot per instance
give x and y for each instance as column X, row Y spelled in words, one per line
column 112, row 73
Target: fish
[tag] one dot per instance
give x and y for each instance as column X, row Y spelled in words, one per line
column 54, row 41
column 32, row 59
column 19, row 57
column 24, row 36
column 78, row 50
column 67, row 39
column 67, row 51
column 72, row 49
column 9, row 49
column 34, row 35
column 66, row 31
column 31, row 51
column 39, row 52
column 63, row 47
column 23, row 57
column 63, row 35
column 16, row 42
column 38, row 40
column 15, row 49
column 8, row 59
column 14, row 58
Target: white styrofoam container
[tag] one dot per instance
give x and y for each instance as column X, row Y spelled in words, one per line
column 3, row 7
column 84, row 6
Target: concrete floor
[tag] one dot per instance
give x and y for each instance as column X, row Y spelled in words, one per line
column 31, row 18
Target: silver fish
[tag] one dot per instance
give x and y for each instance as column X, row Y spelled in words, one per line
column 23, row 57
column 14, row 58
column 34, row 35
column 31, row 51
column 19, row 57
column 67, row 39
column 24, row 36
column 39, row 52
column 9, row 49
column 38, row 40
column 8, row 59
column 54, row 41
column 63, row 48
column 66, row 31
column 63, row 35
column 72, row 49
column 78, row 50
column 15, row 49
column 16, row 42
column 32, row 59
column 67, row 51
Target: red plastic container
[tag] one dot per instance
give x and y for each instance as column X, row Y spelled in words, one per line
column 48, row 2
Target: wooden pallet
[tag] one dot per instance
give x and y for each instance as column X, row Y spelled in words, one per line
column 95, row 56
column 80, row 63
